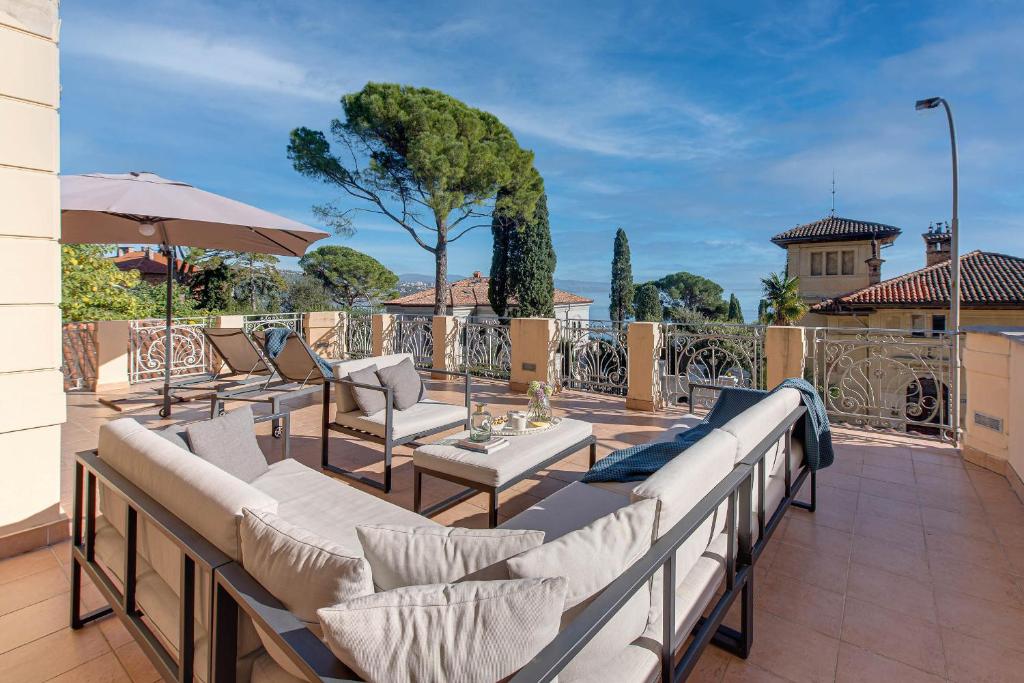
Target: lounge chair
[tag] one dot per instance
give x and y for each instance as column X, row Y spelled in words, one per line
column 390, row 426
column 241, row 364
column 300, row 378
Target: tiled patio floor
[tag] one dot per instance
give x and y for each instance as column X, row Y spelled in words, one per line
column 912, row 569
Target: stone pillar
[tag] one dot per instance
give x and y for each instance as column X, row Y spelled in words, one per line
column 32, row 402
column 534, row 345
column 383, row 333
column 224, row 322
column 784, row 354
column 112, row 348
column 644, row 341
column 447, row 350
column 325, row 332
column 988, row 385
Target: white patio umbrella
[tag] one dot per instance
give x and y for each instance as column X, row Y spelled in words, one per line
column 143, row 208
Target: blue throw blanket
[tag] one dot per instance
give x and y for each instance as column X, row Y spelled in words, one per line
column 274, row 341
column 639, row 462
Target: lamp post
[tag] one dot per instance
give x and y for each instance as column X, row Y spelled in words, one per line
column 954, row 293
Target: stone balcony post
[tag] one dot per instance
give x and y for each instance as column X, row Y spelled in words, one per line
column 383, row 326
column 325, row 332
column 447, row 350
column 644, row 341
column 223, row 322
column 784, row 354
column 534, row 344
column 113, row 344
column 992, row 367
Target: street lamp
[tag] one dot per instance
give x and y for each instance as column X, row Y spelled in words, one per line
column 954, row 293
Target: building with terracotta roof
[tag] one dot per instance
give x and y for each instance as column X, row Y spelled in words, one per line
column 835, row 255
column 149, row 261
column 468, row 297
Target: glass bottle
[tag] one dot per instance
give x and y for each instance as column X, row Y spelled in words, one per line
column 480, row 424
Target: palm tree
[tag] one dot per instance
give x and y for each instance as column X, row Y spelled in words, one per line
column 782, row 296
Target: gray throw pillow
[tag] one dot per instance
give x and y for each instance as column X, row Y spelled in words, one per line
column 176, row 435
column 370, row 401
column 229, row 442
column 404, row 380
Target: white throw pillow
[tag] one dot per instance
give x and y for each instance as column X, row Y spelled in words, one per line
column 301, row 569
column 471, row 632
column 417, row 555
column 590, row 558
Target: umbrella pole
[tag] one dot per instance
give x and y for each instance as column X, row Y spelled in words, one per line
column 165, row 411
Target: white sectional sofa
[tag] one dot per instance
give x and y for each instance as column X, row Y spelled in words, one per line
column 181, row 513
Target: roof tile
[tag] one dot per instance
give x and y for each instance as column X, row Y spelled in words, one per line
column 836, row 228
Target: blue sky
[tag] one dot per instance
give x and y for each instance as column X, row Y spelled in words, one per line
column 701, row 128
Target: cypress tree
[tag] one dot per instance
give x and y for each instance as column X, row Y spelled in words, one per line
column 735, row 312
column 622, row 279
column 523, row 265
column 648, row 304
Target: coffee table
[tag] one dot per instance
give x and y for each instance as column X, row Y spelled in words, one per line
column 493, row 473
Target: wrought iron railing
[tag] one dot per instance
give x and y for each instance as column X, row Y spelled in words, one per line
column 414, row 334
column 147, row 348
column 884, row 379
column 263, row 321
column 359, row 333
column 486, row 349
column 594, row 355
column 698, row 356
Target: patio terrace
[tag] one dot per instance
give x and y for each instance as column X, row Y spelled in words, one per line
column 912, row 568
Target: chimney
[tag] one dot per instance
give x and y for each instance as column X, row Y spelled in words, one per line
column 937, row 243
column 875, row 263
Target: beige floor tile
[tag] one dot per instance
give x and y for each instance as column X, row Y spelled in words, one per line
column 885, row 555
column 908, row 513
column 964, row 548
column 52, row 655
column 104, row 669
column 996, row 623
column 803, row 564
column 973, row 525
column 894, row 635
column 740, row 671
column 776, row 640
column 888, row 474
column 134, row 661
column 33, row 588
column 824, row 539
column 974, row 659
column 885, row 489
column 840, row 480
column 911, row 596
column 801, row 603
column 33, row 622
column 975, row 580
column 20, row 566
column 907, row 536
column 857, row 665
column 895, row 461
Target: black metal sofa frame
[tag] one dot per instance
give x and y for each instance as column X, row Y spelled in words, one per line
column 234, row 589
column 388, row 440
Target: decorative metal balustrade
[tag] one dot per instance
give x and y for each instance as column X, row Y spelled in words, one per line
column 414, row 334
column 148, row 354
column 264, row 321
column 886, row 380
column 594, row 355
column 359, row 333
column 486, row 348
column 697, row 356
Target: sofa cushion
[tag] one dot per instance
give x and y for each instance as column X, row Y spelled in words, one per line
column 590, row 558
column 417, row 555
column 200, row 494
column 176, row 435
column 404, row 381
column 568, row 509
column 343, row 394
column 327, row 507
column 229, row 442
column 422, row 417
column 302, row 570
column 472, row 631
column 370, row 401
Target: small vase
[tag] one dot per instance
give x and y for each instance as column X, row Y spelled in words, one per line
column 480, row 424
column 540, row 410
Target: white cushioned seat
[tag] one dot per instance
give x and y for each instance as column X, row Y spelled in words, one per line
column 421, row 417
column 327, row 507
column 567, row 509
column 522, row 454
column 343, row 394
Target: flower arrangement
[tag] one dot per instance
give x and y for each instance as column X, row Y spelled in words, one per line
column 540, row 401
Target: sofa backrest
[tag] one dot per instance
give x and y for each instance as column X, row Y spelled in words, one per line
column 343, row 394
column 682, row 483
column 198, row 493
column 755, row 423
